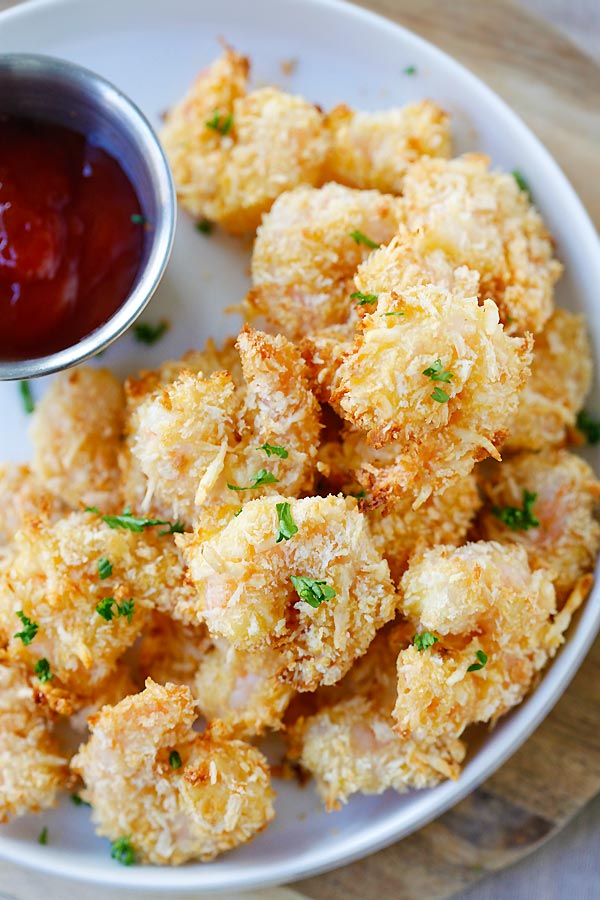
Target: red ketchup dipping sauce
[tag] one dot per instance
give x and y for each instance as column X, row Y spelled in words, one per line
column 71, row 237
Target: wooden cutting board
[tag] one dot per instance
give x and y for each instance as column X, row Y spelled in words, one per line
column 556, row 89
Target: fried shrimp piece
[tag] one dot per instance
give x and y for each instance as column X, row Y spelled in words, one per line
column 32, row 766
column 307, row 251
column 430, row 369
column 117, row 685
column 493, row 620
column 23, row 497
column 375, row 149
column 196, row 436
column 233, row 153
column 484, row 220
column 319, row 624
column 561, row 535
column 55, row 606
column 561, row 375
column 350, row 746
column 171, row 651
column 76, row 431
column 174, row 794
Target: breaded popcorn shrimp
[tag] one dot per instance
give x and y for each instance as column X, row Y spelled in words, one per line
column 484, row 220
column 307, row 251
column 54, row 604
column 203, row 442
column 76, row 431
column 561, row 533
column 173, row 794
column 32, row 766
column 374, row 149
column 171, row 651
column 233, row 153
column 561, row 375
column 493, row 620
column 23, row 497
column 319, row 623
column 350, row 746
column 431, row 370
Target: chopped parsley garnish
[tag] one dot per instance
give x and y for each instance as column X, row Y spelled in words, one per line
column 287, row 526
column 435, row 372
column 313, row 591
column 410, row 70
column 220, row 123
column 361, row 238
column 104, row 568
column 236, row 514
column 133, row 523
column 43, row 838
column 26, row 397
column 76, row 800
column 482, row 657
column 517, row 518
column 271, row 449
column 363, row 299
column 439, row 395
column 521, row 182
column 263, row 476
column 42, row 670
column 174, row 759
column 424, row 641
column 30, row 629
column 359, row 495
column 123, row 852
column 394, row 313
column 138, row 219
column 589, row 427
column 145, row 333
column 109, row 607
column 205, row 226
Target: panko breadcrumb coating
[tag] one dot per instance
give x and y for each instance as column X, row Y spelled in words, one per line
column 117, row 685
column 196, row 436
column 561, row 376
column 488, row 610
column 484, row 220
column 245, row 593
column 305, row 257
column 171, row 651
column 32, row 766
column 76, row 431
column 567, row 539
column 374, row 149
column 432, row 370
column 23, row 497
column 218, row 797
column 53, row 579
column 350, row 746
column 258, row 145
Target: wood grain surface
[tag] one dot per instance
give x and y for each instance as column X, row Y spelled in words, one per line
column 555, row 88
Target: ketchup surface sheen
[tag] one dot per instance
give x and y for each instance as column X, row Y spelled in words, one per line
column 71, row 237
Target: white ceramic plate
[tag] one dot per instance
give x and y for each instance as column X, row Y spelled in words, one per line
column 152, row 49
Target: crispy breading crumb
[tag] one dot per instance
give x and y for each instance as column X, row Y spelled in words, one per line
column 22, row 498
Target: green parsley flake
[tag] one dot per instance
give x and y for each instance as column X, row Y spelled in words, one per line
column 108, row 607
column 270, row 449
column 287, row 526
column 104, row 568
column 363, row 299
column 313, row 591
column 482, row 657
column 145, row 333
column 410, row 70
column 359, row 495
column 174, row 528
column 26, row 397
column 43, row 838
column 521, row 182
column 123, row 852
column 435, row 372
column 204, row 226
column 220, row 123
column 394, row 313
column 174, row 759
column 42, row 670
column 439, row 395
column 361, row 238
column 589, row 427
column 236, row 514
column 132, row 523
column 424, row 641
column 30, row 629
column 76, row 800
column 138, row 219
column 518, row 519
column 263, row 476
